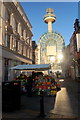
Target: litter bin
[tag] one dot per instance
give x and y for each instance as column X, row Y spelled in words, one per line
column 11, row 95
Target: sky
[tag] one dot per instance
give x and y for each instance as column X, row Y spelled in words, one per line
column 66, row 13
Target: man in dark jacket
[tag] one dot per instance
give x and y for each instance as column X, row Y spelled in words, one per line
column 29, row 86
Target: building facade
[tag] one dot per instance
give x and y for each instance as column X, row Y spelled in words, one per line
column 74, row 62
column 36, row 54
column 15, row 38
column 72, row 53
column 77, row 49
column 67, row 61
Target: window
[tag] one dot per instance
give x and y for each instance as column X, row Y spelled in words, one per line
column 22, row 32
column 27, row 38
column 8, row 40
column 16, row 25
column 8, row 16
column 6, row 64
column 28, row 52
column 22, row 49
column 16, row 45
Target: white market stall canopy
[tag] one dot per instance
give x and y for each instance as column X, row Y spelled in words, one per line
column 37, row 67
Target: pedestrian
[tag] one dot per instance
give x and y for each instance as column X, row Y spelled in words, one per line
column 29, row 86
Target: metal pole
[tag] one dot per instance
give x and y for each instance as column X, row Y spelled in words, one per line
column 42, row 114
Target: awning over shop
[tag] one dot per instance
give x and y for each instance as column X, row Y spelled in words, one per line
column 12, row 56
column 37, row 67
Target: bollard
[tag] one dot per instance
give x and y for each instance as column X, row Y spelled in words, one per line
column 42, row 114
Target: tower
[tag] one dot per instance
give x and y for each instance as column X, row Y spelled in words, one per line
column 49, row 18
column 51, row 44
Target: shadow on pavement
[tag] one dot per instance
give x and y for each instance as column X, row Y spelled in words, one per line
column 71, row 87
column 33, row 103
column 30, row 107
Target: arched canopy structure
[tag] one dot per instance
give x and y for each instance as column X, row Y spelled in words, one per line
column 50, row 44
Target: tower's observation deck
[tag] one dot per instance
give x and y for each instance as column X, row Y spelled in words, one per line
column 49, row 18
